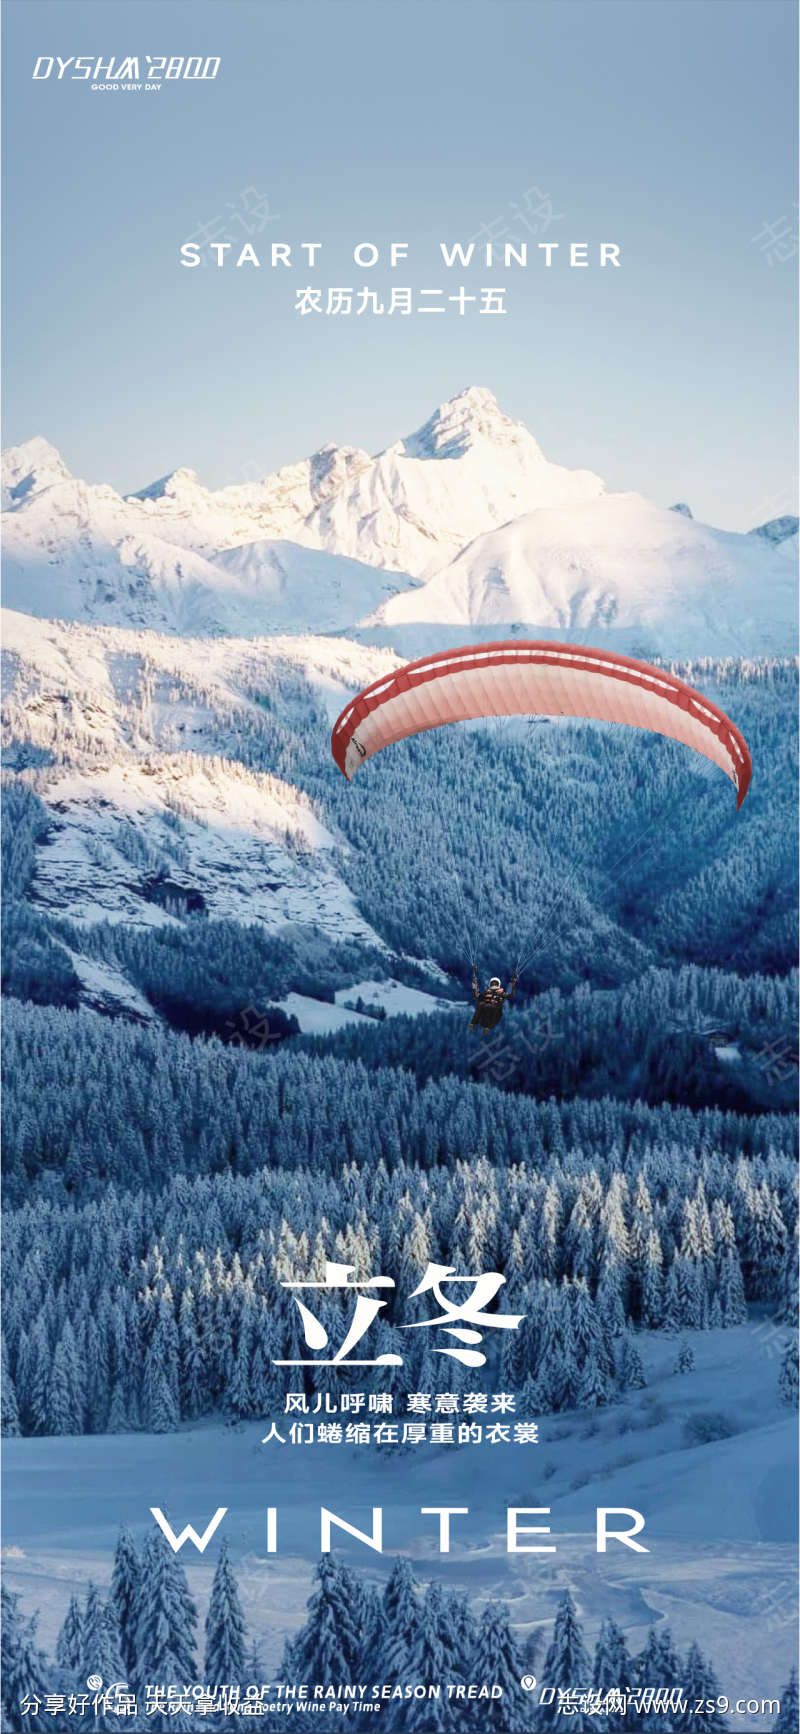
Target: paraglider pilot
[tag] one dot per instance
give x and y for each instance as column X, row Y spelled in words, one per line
column 489, row 1004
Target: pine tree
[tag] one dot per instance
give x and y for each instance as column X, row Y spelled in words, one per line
column 670, row 1665
column 119, row 1414
column 658, row 1668
column 193, row 1358
column 161, row 1413
column 652, row 1305
column 225, row 1628
column 646, row 1667
column 731, row 1289
column 326, row 1651
column 612, row 1672
column 788, row 1375
column 671, row 1320
column 465, row 1631
column 288, row 1668
column 401, row 1612
column 685, row 1360
column 631, row 1369
column 640, row 1231
column 441, row 1612
column 99, row 1646
column 114, row 1643
column 9, row 1410
column 610, row 1302
column 66, row 1406
column 97, row 1377
column 69, row 1646
column 372, row 1628
column 497, row 1659
column 253, row 1667
column 22, row 1668
column 788, row 1719
column 593, row 1385
column 691, row 1289
column 789, row 1298
column 567, row 1664
column 700, row 1684
column 36, row 1392
column 427, row 1666
column 533, row 1401
column 160, row 1395
column 166, row 1617
column 123, row 1597
column 238, row 1399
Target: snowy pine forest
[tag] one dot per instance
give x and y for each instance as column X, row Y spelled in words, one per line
column 673, row 1222
column 623, row 1152
column 146, row 1630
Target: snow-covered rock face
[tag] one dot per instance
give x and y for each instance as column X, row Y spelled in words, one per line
column 778, row 529
column 31, row 468
column 473, row 418
column 248, row 848
column 154, row 816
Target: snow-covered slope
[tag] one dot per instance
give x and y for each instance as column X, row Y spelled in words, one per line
column 720, row 1517
column 317, row 1017
column 79, row 689
column 280, row 587
column 618, row 568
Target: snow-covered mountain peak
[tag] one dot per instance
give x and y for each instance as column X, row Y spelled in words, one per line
column 332, row 467
column 404, row 512
column 30, row 468
column 777, row 530
column 471, row 418
column 174, row 486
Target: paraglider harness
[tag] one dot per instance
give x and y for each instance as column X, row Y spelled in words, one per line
column 489, row 1004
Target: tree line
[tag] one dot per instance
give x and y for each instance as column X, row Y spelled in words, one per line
column 144, row 1631
column 112, row 1324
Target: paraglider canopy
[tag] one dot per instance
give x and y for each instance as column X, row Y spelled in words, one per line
column 519, row 677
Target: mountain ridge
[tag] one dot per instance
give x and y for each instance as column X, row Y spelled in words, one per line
column 657, row 581
column 463, row 525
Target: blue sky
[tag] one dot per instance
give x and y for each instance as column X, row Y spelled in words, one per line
column 666, row 126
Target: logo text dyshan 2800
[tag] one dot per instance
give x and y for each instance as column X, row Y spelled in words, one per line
column 130, row 68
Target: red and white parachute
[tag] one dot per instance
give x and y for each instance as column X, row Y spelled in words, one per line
column 518, row 677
